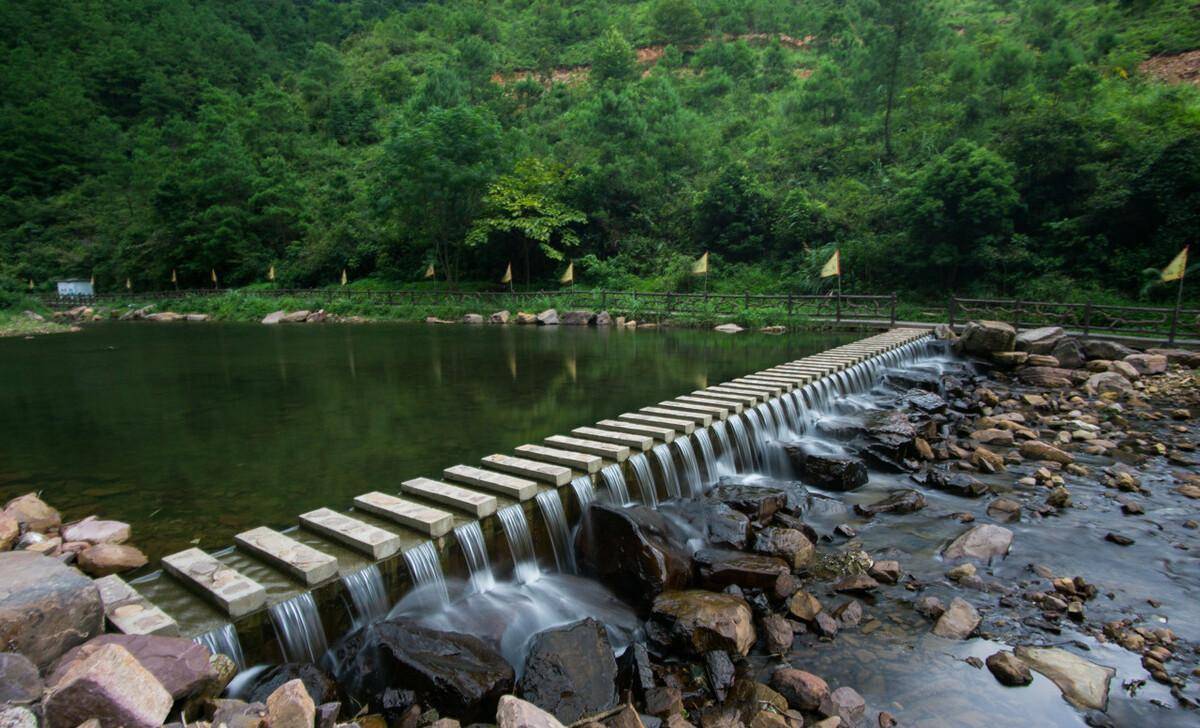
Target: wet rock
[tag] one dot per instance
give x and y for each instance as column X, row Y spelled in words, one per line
column 759, row 503
column 110, row 558
column 570, row 671
column 993, row 436
column 1047, row 377
column 19, row 680
column 1008, row 669
column 855, row 583
column 1038, row 450
column 696, row 622
column 831, row 472
column 905, row 500
column 291, row 707
column 726, row 527
column 525, row 318
column 499, row 317
column 728, row 328
column 630, row 551
column 1099, row 349
column 10, row 531
column 804, row 605
column 960, row 484
column 577, row 318
column 777, row 634
column 886, row 571
column 1147, row 364
column 32, row 514
column 1040, row 340
column 63, row 603
column 1004, row 509
column 111, row 686
column 472, row 318
column 15, row 716
column 604, row 318
column 984, row 542
column 1118, row 539
column 1108, row 383
column 319, row 684
column 930, row 607
column 1059, row 497
column 721, row 673
column 844, row 703
column 549, row 317
column 457, row 674
column 516, row 713
column 1083, row 683
column 985, row 337
column 1010, row 359
column 926, row 402
column 96, row 531
column 986, row 460
column 825, row 625
column 789, row 544
column 849, row 614
column 802, row 690
column 958, row 621
column 181, row 666
column 1069, row 353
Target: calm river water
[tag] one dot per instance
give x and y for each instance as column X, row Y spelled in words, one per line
column 193, row 433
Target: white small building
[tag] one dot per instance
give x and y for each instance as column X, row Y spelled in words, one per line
column 76, row 288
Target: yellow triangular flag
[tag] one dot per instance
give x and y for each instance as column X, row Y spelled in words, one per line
column 700, row 267
column 174, row 278
column 429, row 271
column 569, row 276
column 343, row 276
column 213, row 272
column 833, row 266
column 128, row 285
column 507, row 274
column 1176, row 268
column 271, row 274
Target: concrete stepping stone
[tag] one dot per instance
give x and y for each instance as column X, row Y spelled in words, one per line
column 555, row 475
column 129, row 612
column 630, row 440
column 574, row 460
column 233, row 592
column 300, row 560
column 772, row 388
column 748, row 400
column 505, row 485
column 699, row 397
column 607, row 450
column 429, row 521
column 702, row 419
column 715, row 411
column 684, row 426
column 358, row 535
column 666, row 434
column 479, row 505
column 780, row 384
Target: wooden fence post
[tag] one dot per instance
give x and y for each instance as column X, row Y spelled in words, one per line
column 1087, row 319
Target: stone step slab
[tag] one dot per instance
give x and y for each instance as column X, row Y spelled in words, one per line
column 299, row 560
column 607, row 450
column 703, row 419
column 508, row 486
column 574, row 460
column 230, row 590
column 734, row 406
column 666, row 434
column 630, row 440
column 684, row 426
column 432, row 522
column 555, row 475
column 479, row 505
column 358, row 535
column 131, row 613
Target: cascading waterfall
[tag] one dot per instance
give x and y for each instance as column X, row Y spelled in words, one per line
column 474, row 548
column 666, row 464
column 614, row 481
column 556, row 525
column 585, row 494
column 224, row 639
column 758, row 435
column 691, row 468
column 367, row 594
column 781, row 423
column 520, row 543
column 425, row 570
column 707, row 455
column 742, row 440
column 728, row 464
column 299, row 629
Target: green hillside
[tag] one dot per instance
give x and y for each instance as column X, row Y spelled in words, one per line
column 1006, row 147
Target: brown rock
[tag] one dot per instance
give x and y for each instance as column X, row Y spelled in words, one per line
column 804, row 606
column 107, row 558
column 987, row 460
column 9, row 531
column 96, row 531
column 788, row 544
column 886, row 571
column 803, row 690
column 1038, row 450
column 63, row 603
column 1148, row 364
column 32, row 513
column 291, row 707
column 958, row 622
column 516, row 713
column 180, row 665
column 777, row 634
column 699, row 621
column 111, row 686
column 1009, row 670
column 844, row 703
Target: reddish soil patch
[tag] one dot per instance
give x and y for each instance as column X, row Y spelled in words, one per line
column 1177, row 68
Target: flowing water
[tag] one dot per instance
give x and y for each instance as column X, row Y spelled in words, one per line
column 474, row 549
column 224, row 640
column 614, row 481
column 708, row 457
column 166, row 427
column 299, row 629
column 520, row 543
column 666, row 466
column 690, row 477
column 585, row 493
column 367, row 594
column 551, row 506
column 425, row 570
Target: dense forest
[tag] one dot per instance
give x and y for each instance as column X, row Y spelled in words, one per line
column 979, row 146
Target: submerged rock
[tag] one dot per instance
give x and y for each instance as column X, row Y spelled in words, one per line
column 570, row 671
column 984, row 542
column 1083, row 683
column 630, row 550
column 958, row 621
column 697, row 621
column 718, row 568
column 905, row 500
column 39, row 590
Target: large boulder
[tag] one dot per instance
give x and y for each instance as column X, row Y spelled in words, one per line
column 32, row 514
column 1109, row 350
column 570, row 671
column 983, row 542
column 695, row 622
column 729, row 328
column 63, row 604
column 904, row 500
column 94, row 530
column 604, row 318
column 110, row 686
column 789, row 544
column 1183, row 357
column 802, row 690
column 958, row 621
column 719, row 568
column 294, row 317
column 1148, row 364
column 1069, row 353
column 516, row 713
column 1040, row 340
column 1108, row 383
column 831, row 472
column 1050, row 377
column 1083, row 683
column 499, row 317
column 985, row 337
column 180, row 665
column 549, row 317
column 20, row 682
column 525, row 318
column 577, row 318
column 757, row 502
column 472, row 318
column 631, row 551
column 458, row 674
column 10, row 531
column 110, row 558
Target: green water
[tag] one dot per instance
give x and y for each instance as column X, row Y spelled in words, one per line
column 193, row 433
